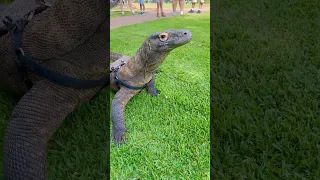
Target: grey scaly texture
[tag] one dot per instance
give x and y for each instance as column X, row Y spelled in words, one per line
column 71, row 38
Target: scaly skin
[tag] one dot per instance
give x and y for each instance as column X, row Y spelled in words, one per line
column 139, row 70
column 66, row 38
column 118, row 59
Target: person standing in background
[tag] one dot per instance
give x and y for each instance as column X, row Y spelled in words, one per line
column 193, row 5
column 130, row 6
column 174, row 6
column 160, row 6
column 142, row 7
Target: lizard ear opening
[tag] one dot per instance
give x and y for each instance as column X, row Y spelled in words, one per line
column 163, row 36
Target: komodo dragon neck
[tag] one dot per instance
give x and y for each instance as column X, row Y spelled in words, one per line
column 138, row 69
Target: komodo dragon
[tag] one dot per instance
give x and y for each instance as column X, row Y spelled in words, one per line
column 129, row 76
column 69, row 38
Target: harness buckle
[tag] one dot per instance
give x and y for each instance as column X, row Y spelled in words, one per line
column 8, row 22
column 20, row 52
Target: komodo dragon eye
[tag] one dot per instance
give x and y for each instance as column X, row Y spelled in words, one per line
column 163, row 36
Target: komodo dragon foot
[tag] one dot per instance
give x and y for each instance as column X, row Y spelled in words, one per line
column 151, row 88
column 118, row 136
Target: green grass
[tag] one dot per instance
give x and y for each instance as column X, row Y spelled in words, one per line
column 4, row 1
column 6, row 106
column 169, row 134
column 117, row 13
column 266, row 87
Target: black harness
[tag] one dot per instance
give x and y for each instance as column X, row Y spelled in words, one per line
column 119, row 82
column 23, row 61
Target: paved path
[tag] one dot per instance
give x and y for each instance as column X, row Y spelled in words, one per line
column 149, row 15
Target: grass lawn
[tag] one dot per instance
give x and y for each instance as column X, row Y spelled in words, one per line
column 169, row 134
column 5, row 1
column 266, row 87
column 117, row 13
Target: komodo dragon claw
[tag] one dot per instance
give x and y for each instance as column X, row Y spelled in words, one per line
column 119, row 136
column 156, row 71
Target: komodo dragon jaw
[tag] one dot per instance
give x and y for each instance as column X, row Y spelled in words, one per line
column 138, row 71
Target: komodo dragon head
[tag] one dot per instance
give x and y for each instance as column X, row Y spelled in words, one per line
column 168, row 40
column 158, row 45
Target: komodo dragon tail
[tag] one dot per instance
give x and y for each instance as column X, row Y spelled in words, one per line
column 117, row 56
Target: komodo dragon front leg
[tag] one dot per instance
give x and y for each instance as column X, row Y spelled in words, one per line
column 119, row 103
column 35, row 118
column 151, row 87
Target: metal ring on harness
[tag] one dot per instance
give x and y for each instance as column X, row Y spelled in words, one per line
column 21, row 51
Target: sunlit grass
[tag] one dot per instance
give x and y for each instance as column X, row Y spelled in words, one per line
column 266, row 83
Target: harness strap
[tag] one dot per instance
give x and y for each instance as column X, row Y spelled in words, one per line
column 118, row 81
column 19, row 26
column 68, row 81
column 128, row 85
column 9, row 24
